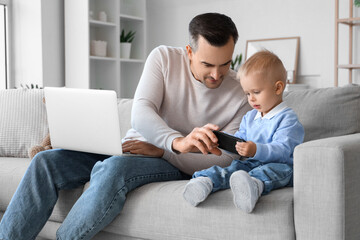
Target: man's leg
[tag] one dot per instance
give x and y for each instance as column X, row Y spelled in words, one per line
column 37, row 193
column 110, row 181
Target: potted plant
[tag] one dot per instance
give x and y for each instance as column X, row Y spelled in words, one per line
column 125, row 43
column 235, row 63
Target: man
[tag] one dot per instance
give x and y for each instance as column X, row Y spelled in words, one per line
column 178, row 92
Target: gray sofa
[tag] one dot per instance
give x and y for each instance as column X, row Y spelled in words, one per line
column 323, row 204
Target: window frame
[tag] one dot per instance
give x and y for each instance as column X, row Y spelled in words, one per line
column 7, row 4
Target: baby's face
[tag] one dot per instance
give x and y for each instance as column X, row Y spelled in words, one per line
column 262, row 94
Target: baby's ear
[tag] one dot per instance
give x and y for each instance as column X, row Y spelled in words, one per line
column 279, row 86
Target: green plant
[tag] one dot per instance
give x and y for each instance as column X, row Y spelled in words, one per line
column 32, row 86
column 128, row 37
column 357, row 3
column 235, row 63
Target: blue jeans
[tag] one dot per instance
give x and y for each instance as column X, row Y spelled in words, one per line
column 273, row 175
column 111, row 178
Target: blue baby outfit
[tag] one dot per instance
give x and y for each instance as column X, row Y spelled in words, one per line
column 276, row 135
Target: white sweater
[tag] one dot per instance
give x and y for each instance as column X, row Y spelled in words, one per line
column 169, row 103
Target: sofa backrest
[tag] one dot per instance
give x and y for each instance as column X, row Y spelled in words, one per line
column 327, row 112
column 23, row 120
column 324, row 112
column 124, row 106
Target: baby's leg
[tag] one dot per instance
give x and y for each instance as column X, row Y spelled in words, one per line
column 213, row 179
column 197, row 190
column 246, row 190
column 248, row 187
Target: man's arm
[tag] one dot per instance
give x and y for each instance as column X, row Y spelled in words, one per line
column 147, row 101
column 149, row 98
column 200, row 139
column 142, row 148
column 191, row 162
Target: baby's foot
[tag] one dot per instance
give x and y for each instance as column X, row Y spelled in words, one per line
column 197, row 190
column 246, row 190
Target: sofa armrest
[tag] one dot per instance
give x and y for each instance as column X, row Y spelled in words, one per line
column 327, row 188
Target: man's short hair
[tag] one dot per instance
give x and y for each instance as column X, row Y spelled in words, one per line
column 266, row 63
column 216, row 28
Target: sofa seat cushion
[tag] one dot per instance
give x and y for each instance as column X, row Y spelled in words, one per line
column 12, row 171
column 158, row 211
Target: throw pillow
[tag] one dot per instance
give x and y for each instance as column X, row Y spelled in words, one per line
column 23, row 121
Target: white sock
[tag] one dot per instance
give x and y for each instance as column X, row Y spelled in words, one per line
column 197, row 190
column 246, row 190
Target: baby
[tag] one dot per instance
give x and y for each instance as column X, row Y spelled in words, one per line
column 271, row 131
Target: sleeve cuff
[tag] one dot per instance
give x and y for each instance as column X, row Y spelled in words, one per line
column 170, row 141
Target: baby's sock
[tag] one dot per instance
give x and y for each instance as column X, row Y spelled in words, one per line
column 246, row 190
column 197, row 190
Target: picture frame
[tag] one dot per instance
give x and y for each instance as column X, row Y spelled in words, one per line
column 286, row 48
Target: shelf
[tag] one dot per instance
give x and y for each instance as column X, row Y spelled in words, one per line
column 97, row 23
column 131, row 60
column 110, row 72
column 349, row 66
column 349, row 21
column 130, row 17
column 102, row 58
column 352, row 22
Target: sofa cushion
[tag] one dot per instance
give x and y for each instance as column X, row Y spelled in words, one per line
column 23, row 121
column 158, row 211
column 124, row 107
column 327, row 112
column 11, row 172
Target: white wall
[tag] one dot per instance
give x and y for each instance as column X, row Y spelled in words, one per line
column 313, row 21
column 53, row 54
column 27, row 42
column 38, row 34
column 37, row 42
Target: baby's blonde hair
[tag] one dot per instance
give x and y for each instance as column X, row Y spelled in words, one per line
column 265, row 63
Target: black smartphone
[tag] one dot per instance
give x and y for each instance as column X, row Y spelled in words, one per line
column 227, row 141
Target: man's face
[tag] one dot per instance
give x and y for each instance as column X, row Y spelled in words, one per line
column 210, row 64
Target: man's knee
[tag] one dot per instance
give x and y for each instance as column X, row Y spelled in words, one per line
column 47, row 159
column 113, row 167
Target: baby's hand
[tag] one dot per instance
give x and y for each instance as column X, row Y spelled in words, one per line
column 246, row 149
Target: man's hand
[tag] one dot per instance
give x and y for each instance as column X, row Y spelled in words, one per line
column 246, row 149
column 143, row 148
column 200, row 139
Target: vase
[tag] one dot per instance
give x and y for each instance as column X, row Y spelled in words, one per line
column 125, row 50
column 98, row 48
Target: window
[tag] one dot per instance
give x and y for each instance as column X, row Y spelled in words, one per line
column 4, row 53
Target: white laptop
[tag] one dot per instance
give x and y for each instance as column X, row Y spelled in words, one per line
column 84, row 120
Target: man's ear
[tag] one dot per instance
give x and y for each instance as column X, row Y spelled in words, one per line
column 279, row 87
column 189, row 51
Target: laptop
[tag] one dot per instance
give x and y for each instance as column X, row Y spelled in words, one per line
column 83, row 120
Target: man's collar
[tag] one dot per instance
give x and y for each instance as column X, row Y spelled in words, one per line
column 273, row 111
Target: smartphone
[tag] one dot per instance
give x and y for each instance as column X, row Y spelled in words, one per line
column 227, row 141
